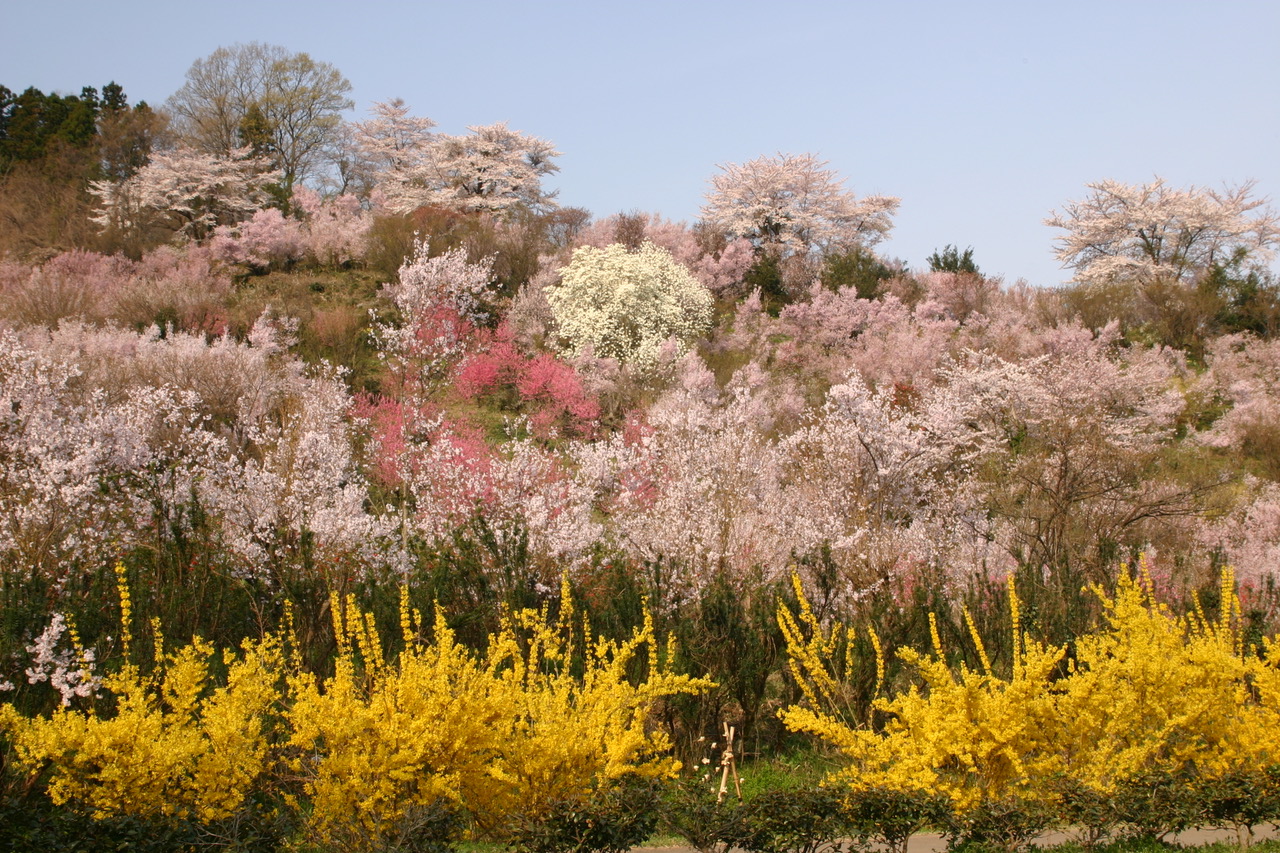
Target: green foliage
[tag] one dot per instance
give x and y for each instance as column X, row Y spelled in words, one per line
column 31, row 122
column 33, row 823
column 765, row 275
column 1247, row 297
column 951, row 259
column 798, row 820
column 1005, row 824
column 693, row 810
column 1242, row 799
column 1157, row 805
column 612, row 819
column 858, row 268
column 889, row 817
column 732, row 637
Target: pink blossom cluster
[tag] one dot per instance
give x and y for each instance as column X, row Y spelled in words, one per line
column 183, row 284
column 546, row 386
column 330, row 232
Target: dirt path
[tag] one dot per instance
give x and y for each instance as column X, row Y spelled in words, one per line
column 934, row 843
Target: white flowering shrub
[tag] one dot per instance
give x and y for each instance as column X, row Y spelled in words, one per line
column 625, row 304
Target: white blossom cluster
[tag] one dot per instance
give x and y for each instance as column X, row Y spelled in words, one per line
column 1153, row 232
column 625, row 305
column 492, row 168
column 793, row 204
column 70, row 671
column 107, row 434
column 187, row 190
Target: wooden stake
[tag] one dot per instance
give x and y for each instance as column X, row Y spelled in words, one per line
column 728, row 764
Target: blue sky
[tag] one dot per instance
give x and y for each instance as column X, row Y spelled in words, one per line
column 982, row 117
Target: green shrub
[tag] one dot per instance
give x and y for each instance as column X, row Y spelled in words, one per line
column 799, row 820
column 611, row 820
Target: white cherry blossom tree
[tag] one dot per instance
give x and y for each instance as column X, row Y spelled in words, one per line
column 793, row 204
column 625, row 304
column 493, row 169
column 1146, row 233
column 186, row 191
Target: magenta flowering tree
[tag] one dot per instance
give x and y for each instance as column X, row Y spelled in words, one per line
column 544, row 387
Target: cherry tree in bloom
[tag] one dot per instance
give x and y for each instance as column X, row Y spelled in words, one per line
column 302, row 480
column 699, row 488
column 1085, row 467
column 385, row 147
column 1244, row 371
column 187, row 192
column 185, row 283
column 69, row 671
column 1249, row 538
column 441, row 299
column 625, row 304
column 335, row 230
column 889, row 487
column 887, row 341
column 492, row 169
column 1146, row 233
column 793, row 205
column 392, row 140
column 56, row 447
column 443, row 470
column 267, row 239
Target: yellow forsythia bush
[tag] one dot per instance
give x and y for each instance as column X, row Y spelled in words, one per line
column 567, row 732
column 361, row 756
column 176, row 746
column 1147, row 692
column 498, row 735
column 379, row 741
column 968, row 734
column 1152, row 693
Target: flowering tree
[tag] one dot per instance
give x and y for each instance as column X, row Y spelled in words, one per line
column 789, row 204
column 391, row 143
column 546, row 387
column 626, row 304
column 111, row 434
column 493, row 169
column 441, row 299
column 268, row 239
column 336, row 230
column 1084, row 470
column 1150, row 232
column 182, row 283
column 700, row 488
column 187, row 192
